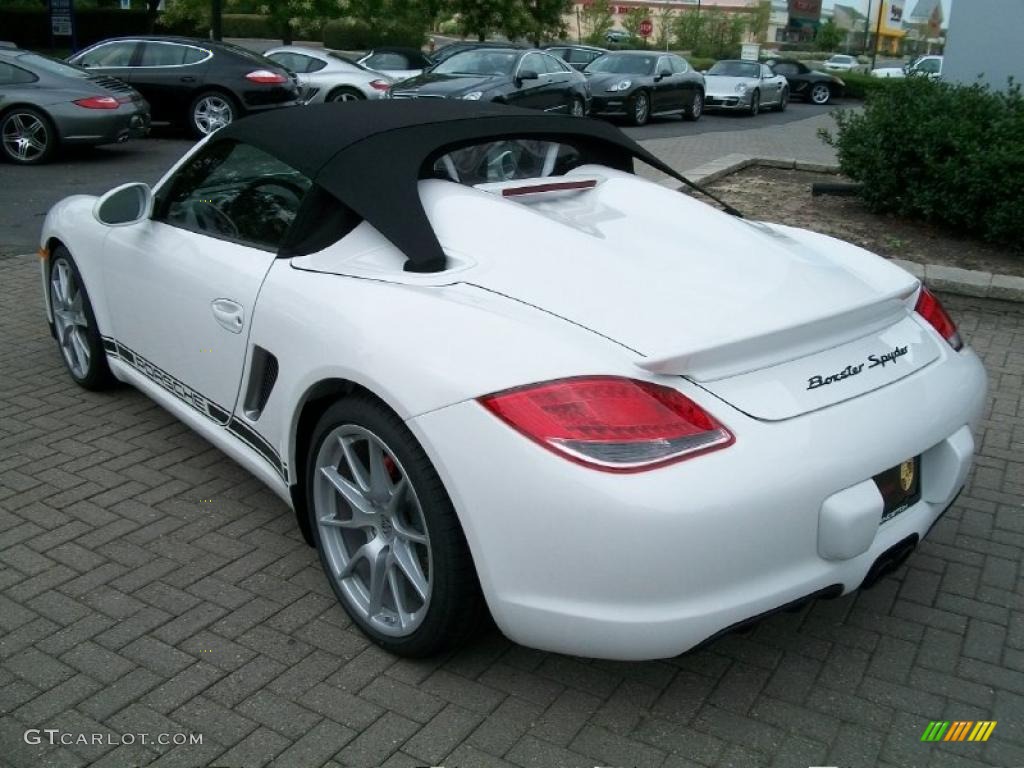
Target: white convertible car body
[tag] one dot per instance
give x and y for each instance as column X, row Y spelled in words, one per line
column 802, row 372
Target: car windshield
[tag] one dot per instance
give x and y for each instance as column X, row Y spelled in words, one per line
column 506, row 160
column 841, row 59
column 480, row 62
column 735, row 69
column 623, row 65
column 52, row 66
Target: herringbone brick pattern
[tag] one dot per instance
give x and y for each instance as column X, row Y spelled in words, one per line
column 149, row 585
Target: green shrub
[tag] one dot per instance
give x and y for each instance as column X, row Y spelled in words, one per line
column 859, row 85
column 358, row 35
column 247, row 25
column 942, row 153
column 700, row 63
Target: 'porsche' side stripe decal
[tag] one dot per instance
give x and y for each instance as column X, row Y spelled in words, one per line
column 216, row 413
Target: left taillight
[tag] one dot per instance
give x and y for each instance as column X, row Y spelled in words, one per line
column 266, row 77
column 98, row 102
column 610, row 423
column 931, row 309
column 380, row 85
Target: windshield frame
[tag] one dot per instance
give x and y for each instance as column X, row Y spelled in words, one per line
column 447, row 68
column 624, row 57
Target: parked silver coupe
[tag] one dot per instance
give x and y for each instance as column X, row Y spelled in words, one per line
column 744, row 86
column 325, row 75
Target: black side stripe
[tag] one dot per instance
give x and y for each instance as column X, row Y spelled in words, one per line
column 216, row 413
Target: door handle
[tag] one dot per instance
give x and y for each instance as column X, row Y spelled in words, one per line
column 229, row 314
column 188, row 79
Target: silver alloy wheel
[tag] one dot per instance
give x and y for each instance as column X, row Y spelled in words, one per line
column 820, row 94
column 373, row 532
column 69, row 318
column 344, row 96
column 755, row 103
column 698, row 106
column 577, row 107
column 783, row 100
column 25, row 136
column 641, row 106
column 211, row 113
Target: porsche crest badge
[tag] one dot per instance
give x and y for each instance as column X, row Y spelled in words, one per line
column 907, row 475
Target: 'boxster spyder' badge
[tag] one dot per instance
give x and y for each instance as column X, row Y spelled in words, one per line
column 873, row 361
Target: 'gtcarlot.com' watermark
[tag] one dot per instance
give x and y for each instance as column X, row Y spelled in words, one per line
column 66, row 738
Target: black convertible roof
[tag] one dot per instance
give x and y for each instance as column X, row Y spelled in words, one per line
column 370, row 155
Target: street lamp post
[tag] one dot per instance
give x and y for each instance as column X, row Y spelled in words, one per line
column 878, row 33
column 867, row 28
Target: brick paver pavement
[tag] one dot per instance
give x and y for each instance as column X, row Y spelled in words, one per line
column 148, row 585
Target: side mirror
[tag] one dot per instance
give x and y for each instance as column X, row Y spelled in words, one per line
column 703, row 71
column 528, row 74
column 664, row 73
column 124, row 205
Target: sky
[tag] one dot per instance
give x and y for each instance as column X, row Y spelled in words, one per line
column 863, row 5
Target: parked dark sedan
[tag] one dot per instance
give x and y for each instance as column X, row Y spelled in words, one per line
column 200, row 84
column 640, row 84
column 576, row 56
column 806, row 83
column 524, row 78
column 449, row 50
column 45, row 103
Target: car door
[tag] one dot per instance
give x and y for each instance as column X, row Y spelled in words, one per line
column 685, row 83
column 559, row 89
column 114, row 58
column 530, row 92
column 771, row 86
column 664, row 93
column 183, row 283
column 168, row 75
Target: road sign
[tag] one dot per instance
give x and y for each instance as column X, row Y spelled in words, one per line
column 61, row 18
column 646, row 28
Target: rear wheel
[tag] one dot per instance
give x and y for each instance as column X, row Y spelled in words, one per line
column 74, row 324
column 696, row 108
column 388, row 536
column 641, row 108
column 27, row 136
column 345, row 94
column 211, row 111
column 821, row 93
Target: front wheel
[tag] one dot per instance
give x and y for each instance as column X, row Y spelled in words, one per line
column 783, row 100
column 641, row 111
column 388, row 535
column 755, row 104
column 74, row 324
column 27, row 136
column 696, row 108
column 821, row 94
column 577, row 109
column 210, row 112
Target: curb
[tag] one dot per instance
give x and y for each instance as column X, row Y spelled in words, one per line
column 954, row 280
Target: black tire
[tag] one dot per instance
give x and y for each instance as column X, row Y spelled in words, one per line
column 638, row 114
column 345, row 94
column 195, row 124
column 456, row 607
column 96, row 376
column 755, row 104
column 577, row 108
column 21, row 124
column 695, row 109
column 783, row 100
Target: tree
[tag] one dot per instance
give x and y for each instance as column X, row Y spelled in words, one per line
column 666, row 18
column 689, row 29
column 631, row 23
column 597, row 18
column 537, row 20
column 829, row 36
column 480, row 18
column 759, row 20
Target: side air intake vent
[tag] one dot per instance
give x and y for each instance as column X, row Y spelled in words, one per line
column 262, row 377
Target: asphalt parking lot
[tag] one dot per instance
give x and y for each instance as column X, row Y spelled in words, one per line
column 27, row 193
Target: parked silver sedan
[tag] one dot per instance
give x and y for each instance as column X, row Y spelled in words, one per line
column 744, row 86
column 325, row 75
column 45, row 103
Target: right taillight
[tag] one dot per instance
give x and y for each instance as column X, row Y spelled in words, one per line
column 930, row 308
column 610, row 423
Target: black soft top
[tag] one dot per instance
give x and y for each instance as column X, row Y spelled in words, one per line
column 370, row 155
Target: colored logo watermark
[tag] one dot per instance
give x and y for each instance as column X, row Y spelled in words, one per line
column 958, row 730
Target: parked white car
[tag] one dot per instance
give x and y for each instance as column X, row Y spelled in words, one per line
column 326, row 75
column 925, row 66
column 499, row 369
column 842, row 63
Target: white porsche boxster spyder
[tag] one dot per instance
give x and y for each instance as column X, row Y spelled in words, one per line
column 491, row 369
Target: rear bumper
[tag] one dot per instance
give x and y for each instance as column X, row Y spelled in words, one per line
column 650, row 565
column 78, row 126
